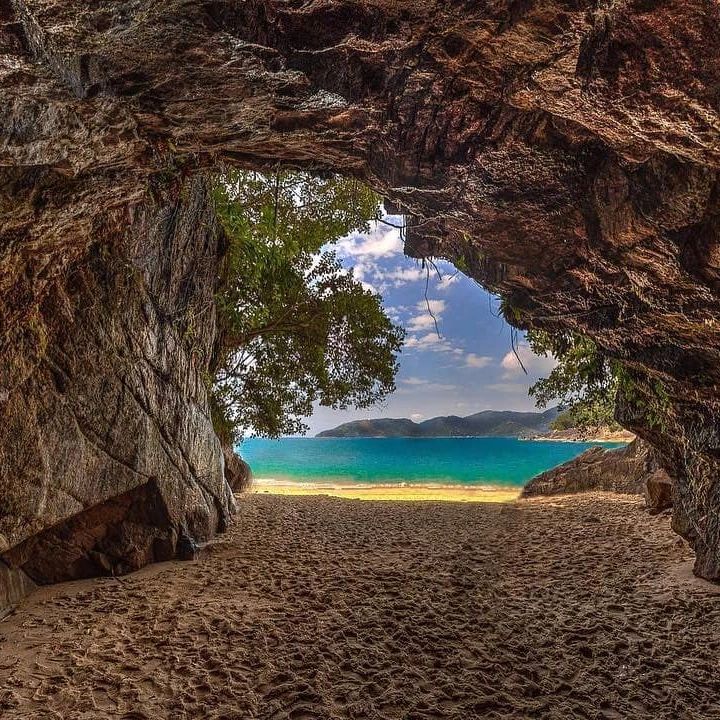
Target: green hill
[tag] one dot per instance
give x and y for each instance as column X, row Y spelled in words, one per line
column 483, row 424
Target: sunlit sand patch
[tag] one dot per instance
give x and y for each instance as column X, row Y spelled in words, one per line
column 425, row 492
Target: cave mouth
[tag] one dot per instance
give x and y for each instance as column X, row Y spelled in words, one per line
column 561, row 155
column 459, row 353
column 462, row 372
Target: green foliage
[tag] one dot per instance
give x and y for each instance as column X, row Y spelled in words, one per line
column 511, row 314
column 297, row 328
column 585, row 381
column 648, row 396
column 564, row 421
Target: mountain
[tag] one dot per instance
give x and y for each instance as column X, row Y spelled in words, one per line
column 482, row 424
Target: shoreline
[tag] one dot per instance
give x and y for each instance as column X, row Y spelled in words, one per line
column 595, row 441
column 572, row 436
column 426, row 492
column 611, row 438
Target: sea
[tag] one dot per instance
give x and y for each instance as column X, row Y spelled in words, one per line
column 502, row 462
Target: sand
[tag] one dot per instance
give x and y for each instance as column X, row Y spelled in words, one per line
column 317, row 607
column 434, row 493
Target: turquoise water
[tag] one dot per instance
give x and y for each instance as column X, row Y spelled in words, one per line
column 445, row 461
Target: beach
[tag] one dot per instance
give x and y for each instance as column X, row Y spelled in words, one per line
column 320, row 607
column 601, row 435
column 380, row 492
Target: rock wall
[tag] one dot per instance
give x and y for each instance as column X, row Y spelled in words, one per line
column 564, row 153
column 14, row 586
column 108, row 456
column 632, row 470
column 238, row 473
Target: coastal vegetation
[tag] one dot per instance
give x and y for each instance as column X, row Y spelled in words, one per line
column 585, row 381
column 295, row 327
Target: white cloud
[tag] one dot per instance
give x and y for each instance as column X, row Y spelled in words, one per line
column 417, row 417
column 448, row 281
column 426, row 385
column 534, row 364
column 432, row 342
column 398, row 309
column 430, row 313
column 368, row 254
column 396, row 313
column 402, row 275
column 477, row 361
column 367, row 268
column 365, row 271
column 390, row 278
column 428, row 341
column 437, row 307
column 420, row 323
column 421, row 340
column 413, row 381
column 381, row 242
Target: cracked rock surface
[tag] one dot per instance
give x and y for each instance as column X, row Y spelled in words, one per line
column 562, row 152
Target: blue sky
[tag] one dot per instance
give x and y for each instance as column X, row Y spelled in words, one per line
column 468, row 368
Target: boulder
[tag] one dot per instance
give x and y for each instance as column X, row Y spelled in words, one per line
column 237, row 472
column 658, row 491
column 114, row 537
column 625, row 470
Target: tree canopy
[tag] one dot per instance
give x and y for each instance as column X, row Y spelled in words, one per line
column 296, row 327
column 585, row 381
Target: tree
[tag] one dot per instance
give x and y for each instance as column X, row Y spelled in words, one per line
column 585, row 381
column 296, row 327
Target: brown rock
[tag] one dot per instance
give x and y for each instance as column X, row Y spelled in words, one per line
column 564, row 154
column 115, row 537
column 237, row 472
column 659, row 492
column 624, row 470
column 115, row 412
column 14, row 586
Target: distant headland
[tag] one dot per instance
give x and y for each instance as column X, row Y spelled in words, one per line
column 489, row 423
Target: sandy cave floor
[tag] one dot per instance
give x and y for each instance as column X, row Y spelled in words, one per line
column 315, row 607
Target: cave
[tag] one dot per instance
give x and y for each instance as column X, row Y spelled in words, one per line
column 563, row 153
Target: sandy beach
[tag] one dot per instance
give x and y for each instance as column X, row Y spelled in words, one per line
column 318, row 607
column 414, row 492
